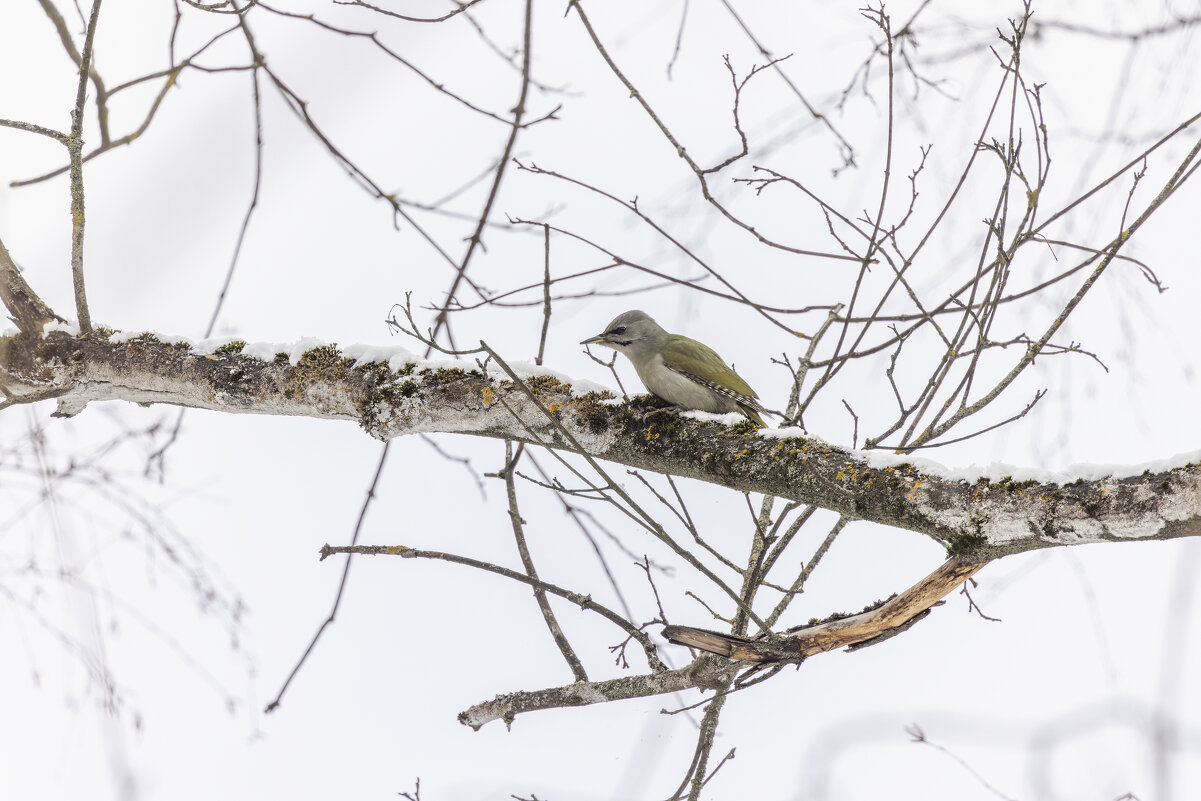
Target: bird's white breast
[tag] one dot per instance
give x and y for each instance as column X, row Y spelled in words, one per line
column 677, row 388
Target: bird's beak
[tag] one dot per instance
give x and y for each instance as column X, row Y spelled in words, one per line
column 599, row 338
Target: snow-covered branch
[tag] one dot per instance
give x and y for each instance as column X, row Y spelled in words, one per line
column 390, row 393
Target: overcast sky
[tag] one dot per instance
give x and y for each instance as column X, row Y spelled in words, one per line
column 196, row 594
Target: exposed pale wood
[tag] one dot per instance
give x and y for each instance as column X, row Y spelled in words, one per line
column 27, row 309
column 797, row 644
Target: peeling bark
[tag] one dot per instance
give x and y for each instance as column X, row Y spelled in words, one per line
column 28, row 311
column 884, row 620
column 978, row 521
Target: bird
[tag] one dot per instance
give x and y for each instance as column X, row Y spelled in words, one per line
column 677, row 369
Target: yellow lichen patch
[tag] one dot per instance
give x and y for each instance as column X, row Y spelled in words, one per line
column 650, row 434
column 488, row 395
column 742, row 453
column 554, row 407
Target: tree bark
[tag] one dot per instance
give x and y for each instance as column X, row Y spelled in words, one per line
column 978, row 520
column 884, row 620
column 27, row 309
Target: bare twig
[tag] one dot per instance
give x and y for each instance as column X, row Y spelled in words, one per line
column 460, row 7
column 476, row 238
column 548, row 615
column 358, row 527
column 919, row 736
column 707, row 672
column 75, row 149
column 583, row 601
column 545, row 295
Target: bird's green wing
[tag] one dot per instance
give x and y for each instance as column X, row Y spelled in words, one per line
column 686, row 355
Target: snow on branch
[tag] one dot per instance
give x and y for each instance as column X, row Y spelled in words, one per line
column 390, row 393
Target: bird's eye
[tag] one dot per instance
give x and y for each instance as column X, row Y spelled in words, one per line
column 621, row 329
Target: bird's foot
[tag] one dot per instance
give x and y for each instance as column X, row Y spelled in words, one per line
column 647, row 414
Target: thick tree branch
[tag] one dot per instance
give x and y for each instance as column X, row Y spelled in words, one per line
column 980, row 520
column 27, row 309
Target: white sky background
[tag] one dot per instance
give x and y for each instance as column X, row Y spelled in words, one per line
column 1065, row 698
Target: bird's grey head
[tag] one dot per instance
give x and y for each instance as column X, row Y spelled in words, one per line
column 633, row 333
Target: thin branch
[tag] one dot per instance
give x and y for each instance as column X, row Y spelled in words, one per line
column 798, row 586
column 333, row 612
column 583, row 601
column 476, row 239
column 545, row 295
column 548, row 614
column 64, row 36
column 695, row 778
column 20, row 125
column 75, row 149
column 461, row 6
column 576, row 516
column 919, row 736
column 704, row 673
